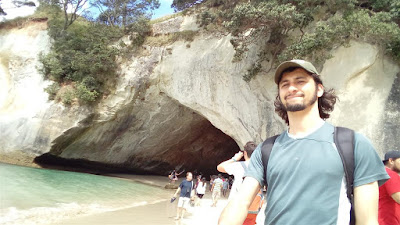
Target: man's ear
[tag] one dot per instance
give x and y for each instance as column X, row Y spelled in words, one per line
column 320, row 90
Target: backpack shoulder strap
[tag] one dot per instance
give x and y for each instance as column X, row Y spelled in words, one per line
column 266, row 149
column 344, row 141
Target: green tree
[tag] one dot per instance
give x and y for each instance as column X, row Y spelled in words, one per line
column 71, row 9
column 179, row 5
column 82, row 56
column 283, row 29
column 124, row 12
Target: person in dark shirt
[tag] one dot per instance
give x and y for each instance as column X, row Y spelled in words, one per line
column 187, row 192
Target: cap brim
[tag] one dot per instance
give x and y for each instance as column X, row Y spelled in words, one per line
column 288, row 64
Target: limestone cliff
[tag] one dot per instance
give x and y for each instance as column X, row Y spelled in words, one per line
column 183, row 105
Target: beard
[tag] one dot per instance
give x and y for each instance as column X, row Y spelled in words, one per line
column 301, row 106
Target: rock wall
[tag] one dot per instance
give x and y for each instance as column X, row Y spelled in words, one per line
column 185, row 105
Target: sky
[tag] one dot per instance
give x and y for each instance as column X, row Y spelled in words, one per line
column 13, row 11
column 165, row 9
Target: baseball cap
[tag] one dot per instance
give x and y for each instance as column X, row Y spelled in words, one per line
column 294, row 63
column 391, row 154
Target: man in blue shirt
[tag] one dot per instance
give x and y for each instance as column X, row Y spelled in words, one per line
column 305, row 175
column 187, row 192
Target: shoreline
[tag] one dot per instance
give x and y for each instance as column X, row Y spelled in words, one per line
column 160, row 213
column 152, row 180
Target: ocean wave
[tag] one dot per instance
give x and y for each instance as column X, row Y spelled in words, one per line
column 62, row 211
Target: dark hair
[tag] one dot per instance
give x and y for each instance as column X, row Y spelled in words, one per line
column 249, row 147
column 326, row 102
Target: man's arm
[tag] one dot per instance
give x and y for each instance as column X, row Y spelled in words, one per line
column 396, row 197
column 366, row 198
column 221, row 167
column 180, row 172
column 236, row 210
column 177, row 191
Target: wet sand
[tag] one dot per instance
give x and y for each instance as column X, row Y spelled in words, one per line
column 161, row 213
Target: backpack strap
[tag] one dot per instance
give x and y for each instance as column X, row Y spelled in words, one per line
column 266, row 149
column 344, row 141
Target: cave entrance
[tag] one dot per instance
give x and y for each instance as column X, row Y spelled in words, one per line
column 151, row 137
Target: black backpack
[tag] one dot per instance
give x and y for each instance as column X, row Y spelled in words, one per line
column 344, row 141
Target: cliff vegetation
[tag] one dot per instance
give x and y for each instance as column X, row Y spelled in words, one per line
column 83, row 59
column 309, row 29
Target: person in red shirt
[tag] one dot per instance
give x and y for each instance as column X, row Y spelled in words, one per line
column 389, row 193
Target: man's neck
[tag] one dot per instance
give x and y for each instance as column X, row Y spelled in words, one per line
column 305, row 121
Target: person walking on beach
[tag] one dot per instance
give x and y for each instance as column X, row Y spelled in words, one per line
column 201, row 189
column 389, row 193
column 186, row 194
column 305, row 175
column 216, row 190
column 212, row 178
column 225, row 186
column 233, row 167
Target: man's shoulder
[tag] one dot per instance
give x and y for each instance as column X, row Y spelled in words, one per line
column 186, row 181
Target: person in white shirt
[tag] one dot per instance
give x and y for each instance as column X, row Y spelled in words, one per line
column 234, row 167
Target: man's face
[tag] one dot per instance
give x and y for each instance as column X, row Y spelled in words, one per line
column 396, row 165
column 297, row 90
column 189, row 176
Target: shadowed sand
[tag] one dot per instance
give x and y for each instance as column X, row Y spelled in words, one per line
column 161, row 213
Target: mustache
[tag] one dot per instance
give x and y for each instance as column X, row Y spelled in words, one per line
column 297, row 95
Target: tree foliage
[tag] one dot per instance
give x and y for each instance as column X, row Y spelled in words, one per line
column 124, row 12
column 82, row 55
column 71, row 9
column 179, row 5
column 309, row 28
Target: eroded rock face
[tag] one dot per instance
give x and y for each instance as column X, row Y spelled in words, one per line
column 187, row 106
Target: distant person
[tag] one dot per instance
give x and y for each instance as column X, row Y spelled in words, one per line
column 216, row 190
column 305, row 173
column 389, row 193
column 187, row 193
column 174, row 176
column 235, row 167
column 201, row 189
column 212, row 178
column 230, row 182
column 225, row 186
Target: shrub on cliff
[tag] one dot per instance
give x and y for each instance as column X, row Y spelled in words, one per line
column 284, row 29
column 82, row 54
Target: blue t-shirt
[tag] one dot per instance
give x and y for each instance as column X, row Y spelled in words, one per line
column 186, row 188
column 306, row 181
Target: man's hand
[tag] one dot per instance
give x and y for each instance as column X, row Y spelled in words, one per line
column 237, row 157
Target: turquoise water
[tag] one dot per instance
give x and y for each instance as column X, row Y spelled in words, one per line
column 42, row 196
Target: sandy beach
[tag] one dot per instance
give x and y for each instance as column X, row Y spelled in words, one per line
column 162, row 213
